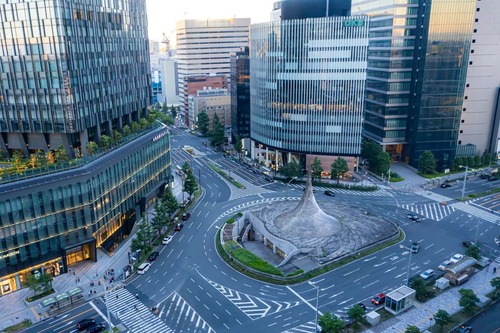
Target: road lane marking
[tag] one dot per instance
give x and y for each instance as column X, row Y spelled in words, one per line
column 101, row 314
column 357, row 269
column 304, row 300
column 370, row 284
column 369, row 259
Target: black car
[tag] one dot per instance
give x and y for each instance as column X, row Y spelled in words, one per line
column 329, row 193
column 468, row 243
column 445, row 185
column 153, row 256
column 413, row 217
column 96, row 328
column 484, row 176
column 185, row 216
column 84, row 323
column 269, row 179
column 179, row 226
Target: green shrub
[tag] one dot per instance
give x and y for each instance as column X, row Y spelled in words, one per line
column 251, row 260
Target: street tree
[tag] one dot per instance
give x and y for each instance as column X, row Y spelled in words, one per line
column 316, row 169
column 169, row 201
column 217, row 135
column 173, row 111
column 495, row 283
column 339, row 168
column 42, row 159
column 116, row 136
column 238, row 146
column 382, row 163
column 160, row 219
column 202, row 123
column 356, row 313
column 477, row 160
column 126, row 130
column 473, row 251
column 468, row 299
column 427, row 162
column 39, row 283
column 486, row 158
column 142, row 240
column 91, row 147
column 291, row 169
column 412, row 329
column 459, row 161
column 144, row 123
column 190, row 184
column 418, row 284
column 330, row 323
column 164, row 108
column 441, row 317
column 134, row 126
column 186, row 168
column 157, row 106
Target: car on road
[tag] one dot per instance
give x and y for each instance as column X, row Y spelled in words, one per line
column 413, row 217
column 96, row 328
column 304, row 189
column 468, row 243
column 443, row 265
column 269, row 179
column 445, row 185
column 84, row 323
column 379, row 299
column 179, row 226
column 143, row 268
column 167, row 240
column 415, row 247
column 330, row 193
column 497, row 240
column 186, row 216
column 484, row 176
column 462, row 329
column 428, row 274
column 492, row 178
column 153, row 256
column 456, row 257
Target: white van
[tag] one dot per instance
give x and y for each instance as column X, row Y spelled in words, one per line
column 143, row 268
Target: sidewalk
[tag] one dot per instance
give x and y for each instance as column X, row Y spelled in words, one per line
column 420, row 314
column 15, row 309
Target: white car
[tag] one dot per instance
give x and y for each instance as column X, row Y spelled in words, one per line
column 443, row 265
column 427, row 274
column 167, row 240
column 456, row 257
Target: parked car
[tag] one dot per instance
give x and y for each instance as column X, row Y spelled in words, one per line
column 379, row 299
column 415, row 247
column 179, row 226
column 456, row 257
column 167, row 240
column 153, row 256
column 185, row 216
column 96, row 328
column 445, row 185
column 428, row 274
column 443, row 265
column 468, row 243
column 413, row 217
column 84, row 323
column 492, row 178
column 330, row 193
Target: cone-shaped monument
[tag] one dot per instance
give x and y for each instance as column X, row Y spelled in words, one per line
column 307, row 219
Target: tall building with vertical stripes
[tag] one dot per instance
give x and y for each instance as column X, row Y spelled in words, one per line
column 307, row 84
column 205, row 47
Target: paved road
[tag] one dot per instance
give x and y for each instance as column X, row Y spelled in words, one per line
column 487, row 321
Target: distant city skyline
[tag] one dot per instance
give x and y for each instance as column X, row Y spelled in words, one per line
column 162, row 15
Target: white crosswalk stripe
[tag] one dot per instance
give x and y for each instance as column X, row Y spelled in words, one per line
column 304, row 328
column 254, row 307
column 478, row 212
column 135, row 315
column 181, row 316
column 433, row 211
column 376, row 193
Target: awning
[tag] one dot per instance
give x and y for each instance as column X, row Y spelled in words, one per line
column 75, row 291
column 62, row 297
column 49, row 302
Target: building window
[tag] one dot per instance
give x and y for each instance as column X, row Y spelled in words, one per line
column 462, row 121
column 478, row 9
column 467, row 85
column 471, row 51
column 477, row 20
column 466, row 97
column 461, row 131
column 470, row 62
column 459, row 142
column 473, row 41
column 464, row 109
column 475, row 30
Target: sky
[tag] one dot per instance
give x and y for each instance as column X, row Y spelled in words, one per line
column 163, row 14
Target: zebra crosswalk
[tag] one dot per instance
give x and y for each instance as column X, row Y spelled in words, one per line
column 433, row 211
column 133, row 314
column 377, row 193
column 181, row 316
column 254, row 307
column 478, row 212
column 304, row 328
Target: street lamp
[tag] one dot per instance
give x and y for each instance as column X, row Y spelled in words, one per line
column 465, row 179
column 409, row 264
column 477, row 228
column 317, row 304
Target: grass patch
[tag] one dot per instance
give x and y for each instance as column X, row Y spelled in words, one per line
column 233, row 218
column 18, row 327
column 251, row 260
column 396, row 179
column 42, row 295
column 226, row 176
column 297, row 272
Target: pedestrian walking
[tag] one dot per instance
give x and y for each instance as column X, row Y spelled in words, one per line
column 137, row 296
column 95, row 292
column 494, row 270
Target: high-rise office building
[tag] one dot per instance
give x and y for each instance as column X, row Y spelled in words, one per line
column 307, row 80
column 75, row 71
column 70, row 72
column 417, row 65
column 205, row 47
column 240, row 94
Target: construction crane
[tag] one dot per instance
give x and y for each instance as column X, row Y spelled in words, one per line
column 166, row 41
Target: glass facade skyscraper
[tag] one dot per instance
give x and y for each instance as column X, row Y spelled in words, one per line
column 71, row 71
column 307, row 85
column 240, row 94
column 417, row 64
